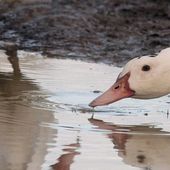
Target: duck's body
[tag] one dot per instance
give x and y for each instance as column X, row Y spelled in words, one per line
column 143, row 78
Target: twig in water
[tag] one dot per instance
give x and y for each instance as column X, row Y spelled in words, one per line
column 167, row 113
column 92, row 116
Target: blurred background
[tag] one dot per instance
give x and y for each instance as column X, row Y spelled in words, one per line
column 64, row 53
column 109, row 31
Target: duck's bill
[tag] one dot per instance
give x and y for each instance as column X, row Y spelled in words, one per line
column 116, row 92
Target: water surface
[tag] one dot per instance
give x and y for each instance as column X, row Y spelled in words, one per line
column 45, row 121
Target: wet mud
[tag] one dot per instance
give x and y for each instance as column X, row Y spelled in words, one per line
column 101, row 31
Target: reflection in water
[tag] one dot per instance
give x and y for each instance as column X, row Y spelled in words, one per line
column 145, row 147
column 44, row 120
column 65, row 160
column 12, row 85
column 22, row 139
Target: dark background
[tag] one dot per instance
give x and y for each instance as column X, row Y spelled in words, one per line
column 110, row 31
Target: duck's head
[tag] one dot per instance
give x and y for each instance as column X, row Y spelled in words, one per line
column 143, row 78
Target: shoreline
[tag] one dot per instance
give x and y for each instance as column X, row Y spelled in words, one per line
column 97, row 31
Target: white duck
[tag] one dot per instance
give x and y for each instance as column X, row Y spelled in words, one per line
column 144, row 77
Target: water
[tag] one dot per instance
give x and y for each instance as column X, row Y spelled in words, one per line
column 45, row 121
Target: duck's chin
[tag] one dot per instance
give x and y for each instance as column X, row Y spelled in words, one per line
column 146, row 96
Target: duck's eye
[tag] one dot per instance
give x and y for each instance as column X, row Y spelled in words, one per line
column 146, row 68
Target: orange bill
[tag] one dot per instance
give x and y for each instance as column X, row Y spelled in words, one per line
column 116, row 92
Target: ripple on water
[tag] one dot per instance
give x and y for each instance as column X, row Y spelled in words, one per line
column 45, row 121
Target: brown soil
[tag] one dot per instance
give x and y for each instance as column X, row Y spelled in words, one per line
column 95, row 30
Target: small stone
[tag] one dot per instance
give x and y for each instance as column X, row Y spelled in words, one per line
column 96, row 91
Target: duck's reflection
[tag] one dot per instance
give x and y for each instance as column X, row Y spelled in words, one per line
column 141, row 146
column 23, row 141
column 65, row 160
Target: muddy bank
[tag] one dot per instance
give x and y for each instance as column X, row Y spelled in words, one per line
column 99, row 30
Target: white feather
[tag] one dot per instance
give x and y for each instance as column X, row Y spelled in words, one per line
column 153, row 83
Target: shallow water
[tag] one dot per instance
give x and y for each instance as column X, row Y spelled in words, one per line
column 45, row 121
